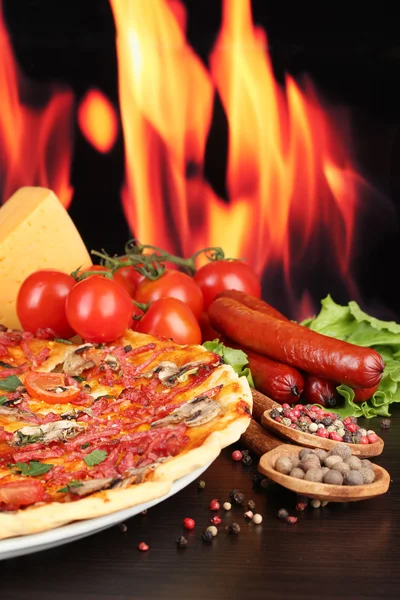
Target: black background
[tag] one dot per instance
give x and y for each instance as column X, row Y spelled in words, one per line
column 352, row 53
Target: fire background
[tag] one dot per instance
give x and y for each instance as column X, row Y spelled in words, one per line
column 351, row 52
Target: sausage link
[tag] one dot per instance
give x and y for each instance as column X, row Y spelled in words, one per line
column 281, row 382
column 318, row 390
column 296, row 345
column 253, row 303
column 363, row 394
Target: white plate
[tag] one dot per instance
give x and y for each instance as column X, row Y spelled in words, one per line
column 69, row 533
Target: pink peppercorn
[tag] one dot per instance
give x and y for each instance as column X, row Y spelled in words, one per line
column 291, row 520
column 216, row 520
column 351, row 427
column 363, row 440
column 278, row 419
column 323, row 433
column 335, row 436
column 299, row 407
column 301, row 506
column 143, row 547
column 188, row 523
column 237, row 455
column 296, row 413
column 372, row 438
column 293, row 425
column 214, row 504
column 285, row 406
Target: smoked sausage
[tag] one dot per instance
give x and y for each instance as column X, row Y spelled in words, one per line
column 318, row 390
column 363, row 394
column 297, row 345
column 280, row 382
column 253, row 303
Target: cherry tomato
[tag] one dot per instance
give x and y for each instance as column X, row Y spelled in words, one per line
column 137, row 314
column 21, row 493
column 214, row 277
column 99, row 309
column 171, row 318
column 50, row 387
column 41, row 302
column 125, row 276
column 172, row 284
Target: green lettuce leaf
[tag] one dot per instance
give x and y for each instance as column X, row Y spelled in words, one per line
column 237, row 359
column 353, row 325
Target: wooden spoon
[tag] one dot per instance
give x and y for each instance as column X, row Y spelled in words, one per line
column 321, row 491
column 312, row 441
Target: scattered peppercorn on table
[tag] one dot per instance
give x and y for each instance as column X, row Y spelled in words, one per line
column 201, row 543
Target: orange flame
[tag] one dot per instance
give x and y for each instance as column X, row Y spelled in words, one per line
column 292, row 188
column 35, row 143
column 98, row 121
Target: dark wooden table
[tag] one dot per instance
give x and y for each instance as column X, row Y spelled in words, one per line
column 340, row 551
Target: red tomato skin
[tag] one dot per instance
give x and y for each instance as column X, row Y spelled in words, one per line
column 172, row 284
column 21, row 493
column 41, row 302
column 214, row 277
column 125, row 277
column 36, row 384
column 99, row 309
column 171, row 318
column 137, row 314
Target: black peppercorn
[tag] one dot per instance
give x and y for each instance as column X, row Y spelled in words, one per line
column 247, row 460
column 232, row 493
column 201, row 484
column 257, row 478
column 123, row 527
column 384, row 423
column 274, row 413
column 265, row 483
column 327, row 421
column 283, row 514
column 181, row 542
column 348, row 437
column 238, row 498
column 207, row 536
column 245, row 452
column 128, row 348
column 251, row 504
column 233, row 528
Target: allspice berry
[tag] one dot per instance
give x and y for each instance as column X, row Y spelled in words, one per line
column 308, row 464
column 313, row 475
column 304, row 452
column 331, row 460
column 354, row 463
column 296, row 472
column 353, row 478
column 333, row 478
column 368, row 475
column 342, row 467
column 341, row 450
column 283, row 465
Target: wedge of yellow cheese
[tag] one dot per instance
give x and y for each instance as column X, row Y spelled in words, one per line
column 36, row 232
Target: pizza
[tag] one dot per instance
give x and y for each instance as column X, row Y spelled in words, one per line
column 86, row 430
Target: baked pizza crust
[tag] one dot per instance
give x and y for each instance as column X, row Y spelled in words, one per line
column 228, row 429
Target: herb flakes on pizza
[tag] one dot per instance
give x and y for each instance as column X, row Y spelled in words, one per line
column 86, row 430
